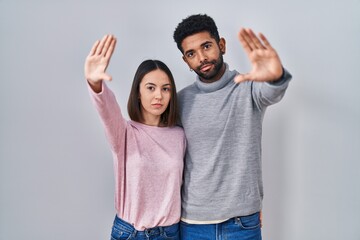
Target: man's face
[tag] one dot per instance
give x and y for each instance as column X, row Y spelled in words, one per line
column 204, row 55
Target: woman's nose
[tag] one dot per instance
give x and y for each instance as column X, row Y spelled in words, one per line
column 158, row 95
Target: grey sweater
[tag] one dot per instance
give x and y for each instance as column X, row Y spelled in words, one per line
column 223, row 126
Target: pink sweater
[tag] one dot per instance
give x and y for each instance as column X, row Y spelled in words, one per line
column 148, row 165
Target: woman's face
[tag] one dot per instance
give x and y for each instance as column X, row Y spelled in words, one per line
column 154, row 94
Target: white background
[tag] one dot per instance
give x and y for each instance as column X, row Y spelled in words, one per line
column 56, row 176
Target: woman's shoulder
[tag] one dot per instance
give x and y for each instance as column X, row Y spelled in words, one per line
column 177, row 129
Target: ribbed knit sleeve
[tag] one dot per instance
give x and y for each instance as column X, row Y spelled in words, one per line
column 111, row 117
column 265, row 94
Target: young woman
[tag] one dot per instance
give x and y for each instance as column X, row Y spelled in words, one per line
column 148, row 150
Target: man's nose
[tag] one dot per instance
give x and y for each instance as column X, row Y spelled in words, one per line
column 201, row 56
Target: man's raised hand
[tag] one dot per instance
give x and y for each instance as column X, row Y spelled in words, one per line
column 265, row 62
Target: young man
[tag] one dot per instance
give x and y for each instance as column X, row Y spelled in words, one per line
column 222, row 113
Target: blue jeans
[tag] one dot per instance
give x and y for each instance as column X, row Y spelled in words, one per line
column 122, row 230
column 246, row 227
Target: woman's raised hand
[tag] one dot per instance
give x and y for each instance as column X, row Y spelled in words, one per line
column 98, row 60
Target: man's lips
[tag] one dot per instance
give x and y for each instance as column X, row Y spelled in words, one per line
column 205, row 67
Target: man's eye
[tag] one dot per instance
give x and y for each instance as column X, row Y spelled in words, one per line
column 189, row 55
column 206, row 46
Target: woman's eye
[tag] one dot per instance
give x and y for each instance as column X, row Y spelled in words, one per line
column 166, row 89
column 150, row 88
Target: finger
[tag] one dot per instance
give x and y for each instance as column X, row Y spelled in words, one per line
column 248, row 39
column 93, row 49
column 243, row 41
column 111, row 48
column 107, row 44
column 265, row 41
column 101, row 45
column 255, row 39
column 106, row 77
column 242, row 78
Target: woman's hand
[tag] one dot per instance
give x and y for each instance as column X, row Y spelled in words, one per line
column 98, row 60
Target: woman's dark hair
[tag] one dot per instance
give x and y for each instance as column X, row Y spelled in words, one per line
column 170, row 116
column 195, row 24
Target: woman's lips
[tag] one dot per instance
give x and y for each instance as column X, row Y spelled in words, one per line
column 157, row 105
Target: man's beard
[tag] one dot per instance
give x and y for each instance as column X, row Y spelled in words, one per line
column 218, row 63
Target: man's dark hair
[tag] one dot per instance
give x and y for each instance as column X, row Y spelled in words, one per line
column 195, row 24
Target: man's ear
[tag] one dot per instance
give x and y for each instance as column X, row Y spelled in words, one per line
column 185, row 60
column 222, row 45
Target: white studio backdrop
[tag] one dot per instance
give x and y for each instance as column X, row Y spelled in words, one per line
column 56, row 175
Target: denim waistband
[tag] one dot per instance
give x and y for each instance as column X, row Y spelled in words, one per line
column 127, row 227
column 229, row 220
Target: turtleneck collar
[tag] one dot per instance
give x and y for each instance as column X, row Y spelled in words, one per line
column 214, row 86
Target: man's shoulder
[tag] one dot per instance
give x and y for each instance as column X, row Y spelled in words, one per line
column 186, row 90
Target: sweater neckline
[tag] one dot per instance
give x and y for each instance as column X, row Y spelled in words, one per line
column 142, row 125
column 214, row 86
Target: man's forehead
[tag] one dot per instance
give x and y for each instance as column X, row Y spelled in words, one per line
column 196, row 40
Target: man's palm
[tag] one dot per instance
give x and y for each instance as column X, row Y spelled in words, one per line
column 265, row 62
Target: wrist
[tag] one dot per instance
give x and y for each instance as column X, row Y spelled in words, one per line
column 95, row 86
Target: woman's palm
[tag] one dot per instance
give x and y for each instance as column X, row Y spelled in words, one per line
column 98, row 60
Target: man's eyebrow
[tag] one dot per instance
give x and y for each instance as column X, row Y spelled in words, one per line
column 203, row 44
column 207, row 42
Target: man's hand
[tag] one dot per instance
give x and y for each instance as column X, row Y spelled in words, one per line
column 266, row 64
column 98, row 60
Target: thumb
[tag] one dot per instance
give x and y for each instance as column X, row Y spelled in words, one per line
column 242, row 78
column 106, row 77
